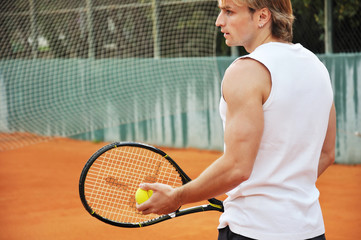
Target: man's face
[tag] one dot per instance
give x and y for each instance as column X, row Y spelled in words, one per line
column 236, row 23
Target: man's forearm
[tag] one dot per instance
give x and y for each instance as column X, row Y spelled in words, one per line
column 220, row 177
column 327, row 157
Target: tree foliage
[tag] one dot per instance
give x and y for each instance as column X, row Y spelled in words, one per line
column 64, row 25
column 310, row 20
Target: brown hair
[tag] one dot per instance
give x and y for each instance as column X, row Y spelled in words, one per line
column 282, row 15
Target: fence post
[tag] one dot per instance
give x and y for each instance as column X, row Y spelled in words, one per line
column 34, row 31
column 89, row 14
column 234, row 52
column 328, row 27
column 156, row 37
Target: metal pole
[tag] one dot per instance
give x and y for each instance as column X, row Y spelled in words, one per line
column 234, row 52
column 328, row 27
column 34, row 32
column 156, row 37
column 89, row 14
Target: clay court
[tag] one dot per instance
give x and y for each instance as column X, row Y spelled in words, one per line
column 39, row 197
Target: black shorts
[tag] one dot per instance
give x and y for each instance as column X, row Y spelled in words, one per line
column 227, row 234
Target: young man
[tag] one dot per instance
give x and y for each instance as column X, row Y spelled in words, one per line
column 279, row 131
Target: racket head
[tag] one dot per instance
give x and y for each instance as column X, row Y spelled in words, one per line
column 112, row 175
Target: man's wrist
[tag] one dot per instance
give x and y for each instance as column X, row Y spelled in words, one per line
column 179, row 196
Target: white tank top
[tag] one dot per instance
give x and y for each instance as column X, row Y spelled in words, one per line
column 280, row 199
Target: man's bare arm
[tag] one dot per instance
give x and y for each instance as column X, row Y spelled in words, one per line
column 327, row 157
column 244, row 86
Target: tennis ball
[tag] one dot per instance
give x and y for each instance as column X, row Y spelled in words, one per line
column 142, row 195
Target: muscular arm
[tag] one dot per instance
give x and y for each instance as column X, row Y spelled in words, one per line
column 243, row 88
column 328, row 148
column 246, row 85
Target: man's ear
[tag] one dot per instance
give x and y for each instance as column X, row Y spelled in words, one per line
column 263, row 17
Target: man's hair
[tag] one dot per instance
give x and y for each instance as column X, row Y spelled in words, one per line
column 282, row 15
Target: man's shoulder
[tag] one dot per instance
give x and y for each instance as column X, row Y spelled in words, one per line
column 246, row 67
column 246, row 75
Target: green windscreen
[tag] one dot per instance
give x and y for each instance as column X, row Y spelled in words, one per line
column 69, row 67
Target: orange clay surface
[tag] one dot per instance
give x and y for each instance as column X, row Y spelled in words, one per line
column 39, row 197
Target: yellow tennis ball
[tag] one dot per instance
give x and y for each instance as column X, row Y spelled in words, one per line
column 142, row 195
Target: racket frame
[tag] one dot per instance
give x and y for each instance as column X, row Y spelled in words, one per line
column 214, row 204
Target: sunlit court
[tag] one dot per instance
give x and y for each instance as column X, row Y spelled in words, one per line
column 99, row 96
column 40, row 199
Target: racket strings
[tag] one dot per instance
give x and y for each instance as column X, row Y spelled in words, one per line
column 115, row 176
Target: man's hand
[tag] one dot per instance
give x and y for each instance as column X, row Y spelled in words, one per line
column 164, row 200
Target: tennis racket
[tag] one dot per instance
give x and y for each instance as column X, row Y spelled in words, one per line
column 113, row 174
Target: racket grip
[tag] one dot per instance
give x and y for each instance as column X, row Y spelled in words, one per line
column 216, row 203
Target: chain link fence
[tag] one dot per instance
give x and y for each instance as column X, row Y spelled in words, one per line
column 343, row 21
column 19, row 22
column 107, row 28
